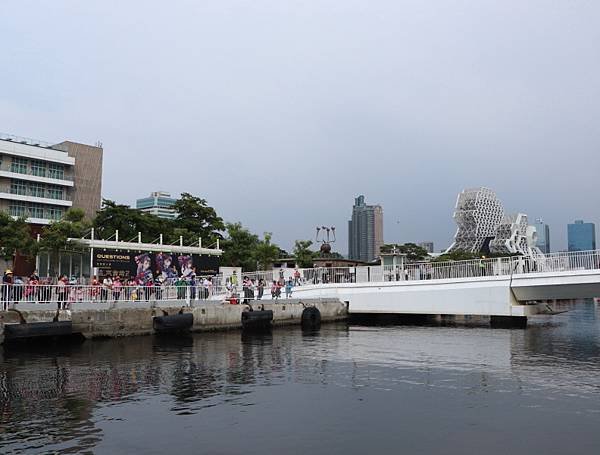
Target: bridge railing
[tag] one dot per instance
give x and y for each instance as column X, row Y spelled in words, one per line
column 273, row 282
column 502, row 266
column 14, row 294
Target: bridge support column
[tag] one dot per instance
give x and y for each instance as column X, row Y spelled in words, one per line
column 508, row 321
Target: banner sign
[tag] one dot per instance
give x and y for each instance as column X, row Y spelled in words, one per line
column 115, row 263
column 206, row 265
column 144, row 266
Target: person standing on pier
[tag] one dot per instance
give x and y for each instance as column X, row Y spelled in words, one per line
column 117, row 287
column 158, row 283
column 482, row 266
column 288, row 289
column 246, row 289
column 7, row 285
column 107, row 284
column 62, row 290
column 261, row 288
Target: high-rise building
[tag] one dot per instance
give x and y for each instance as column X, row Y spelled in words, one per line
column 159, row 203
column 543, row 236
column 365, row 231
column 427, row 246
column 581, row 236
column 41, row 181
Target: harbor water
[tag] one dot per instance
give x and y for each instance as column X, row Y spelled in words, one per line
column 344, row 389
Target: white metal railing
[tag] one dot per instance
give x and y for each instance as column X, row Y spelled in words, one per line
column 416, row 271
column 264, row 283
column 64, row 295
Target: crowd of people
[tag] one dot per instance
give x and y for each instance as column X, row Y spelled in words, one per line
column 254, row 289
column 107, row 288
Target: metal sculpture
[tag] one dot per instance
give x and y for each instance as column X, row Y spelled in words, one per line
column 478, row 214
column 482, row 224
column 515, row 236
column 326, row 236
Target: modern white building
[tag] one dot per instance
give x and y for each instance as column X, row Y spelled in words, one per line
column 42, row 181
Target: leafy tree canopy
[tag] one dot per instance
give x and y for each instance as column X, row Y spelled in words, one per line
column 266, row 252
column 413, row 252
column 239, row 246
column 112, row 217
column 198, row 219
column 303, row 254
column 15, row 236
column 73, row 225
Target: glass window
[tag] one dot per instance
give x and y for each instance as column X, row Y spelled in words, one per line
column 19, row 165
column 36, row 211
column 37, row 189
column 55, row 192
column 54, row 213
column 56, row 171
column 18, row 209
column 38, row 168
column 18, row 187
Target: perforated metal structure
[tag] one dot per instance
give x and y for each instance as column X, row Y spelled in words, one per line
column 478, row 214
column 515, row 236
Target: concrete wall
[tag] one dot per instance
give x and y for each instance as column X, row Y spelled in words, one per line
column 487, row 296
column 106, row 320
column 577, row 284
column 87, row 175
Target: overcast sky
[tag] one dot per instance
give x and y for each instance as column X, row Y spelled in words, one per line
column 281, row 112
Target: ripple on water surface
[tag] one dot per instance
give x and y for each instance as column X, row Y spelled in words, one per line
column 343, row 389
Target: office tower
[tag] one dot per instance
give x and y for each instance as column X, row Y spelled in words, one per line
column 543, row 236
column 159, row 203
column 428, row 246
column 581, row 236
column 365, row 231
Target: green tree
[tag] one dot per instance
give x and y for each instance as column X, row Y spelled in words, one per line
column 112, row 217
column 15, row 235
column 303, row 254
column 239, row 247
column 413, row 252
column 53, row 238
column 456, row 255
column 266, row 252
column 197, row 219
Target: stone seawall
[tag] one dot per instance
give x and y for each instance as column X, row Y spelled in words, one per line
column 128, row 319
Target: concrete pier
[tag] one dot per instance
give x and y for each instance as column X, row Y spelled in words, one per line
column 127, row 319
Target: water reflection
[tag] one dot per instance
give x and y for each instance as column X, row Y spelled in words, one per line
column 66, row 398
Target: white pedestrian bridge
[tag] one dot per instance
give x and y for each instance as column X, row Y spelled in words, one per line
column 508, row 286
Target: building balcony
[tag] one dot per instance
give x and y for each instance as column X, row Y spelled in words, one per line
column 31, row 220
column 7, row 172
column 5, row 193
column 35, row 151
